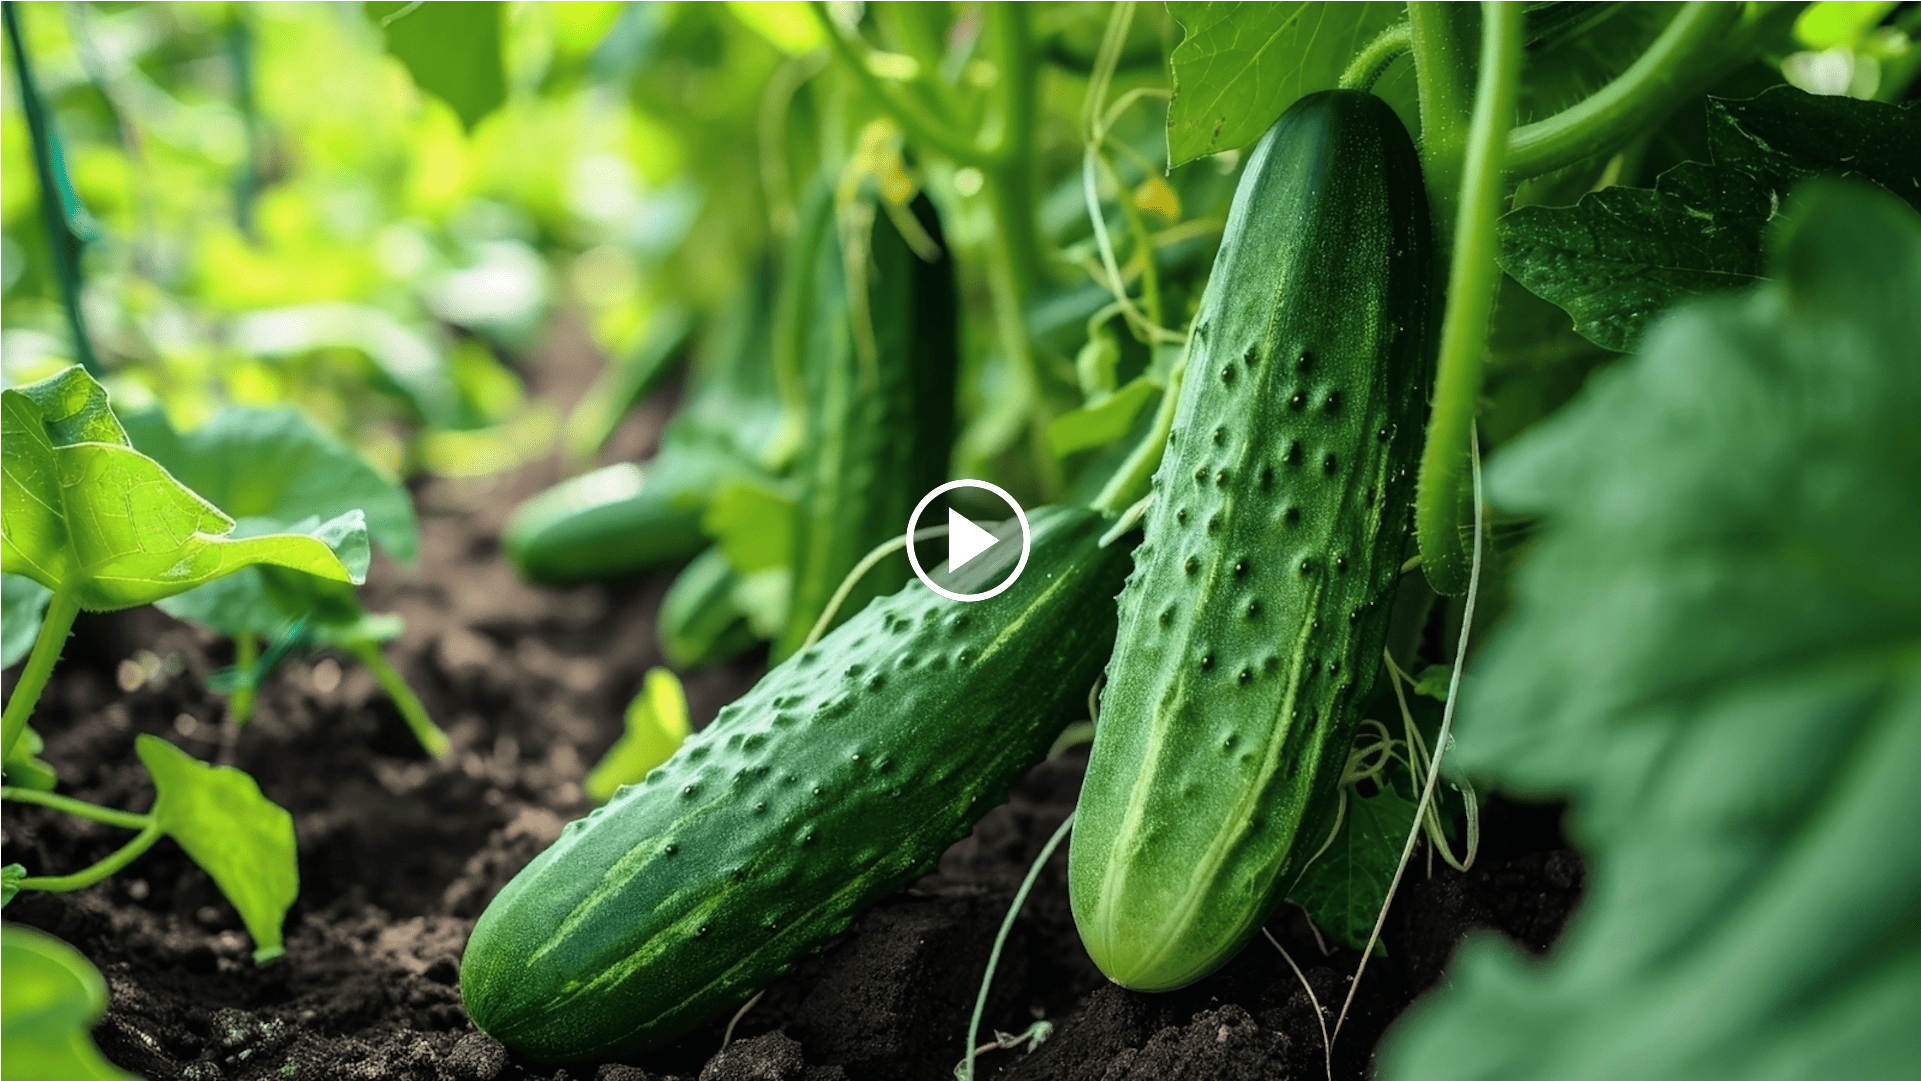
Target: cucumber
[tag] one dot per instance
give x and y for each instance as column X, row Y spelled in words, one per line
column 880, row 428
column 844, row 773
column 1252, row 626
column 611, row 523
column 627, row 519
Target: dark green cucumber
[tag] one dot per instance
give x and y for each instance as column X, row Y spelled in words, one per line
column 879, row 429
column 1252, row 626
column 625, row 519
column 844, row 773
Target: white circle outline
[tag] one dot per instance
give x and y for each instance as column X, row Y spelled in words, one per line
column 1027, row 540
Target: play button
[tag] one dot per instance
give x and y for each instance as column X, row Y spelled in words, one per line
column 988, row 563
column 965, row 540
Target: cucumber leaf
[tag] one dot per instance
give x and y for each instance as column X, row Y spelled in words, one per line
column 48, row 1004
column 243, row 840
column 451, row 48
column 86, row 511
column 1102, row 422
column 1621, row 255
column 1241, row 65
column 1712, row 655
column 656, row 723
column 10, row 878
column 275, row 471
column 276, row 465
column 1343, row 890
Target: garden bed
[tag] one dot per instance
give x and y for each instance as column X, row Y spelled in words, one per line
column 399, row 853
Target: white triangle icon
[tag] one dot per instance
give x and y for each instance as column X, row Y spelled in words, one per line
column 965, row 540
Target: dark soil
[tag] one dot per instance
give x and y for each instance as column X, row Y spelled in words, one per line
column 399, row 853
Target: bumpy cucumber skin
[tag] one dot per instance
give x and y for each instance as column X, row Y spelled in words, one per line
column 843, row 774
column 878, row 436
column 1252, row 626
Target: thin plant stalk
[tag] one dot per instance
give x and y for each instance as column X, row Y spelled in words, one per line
column 1440, row 741
column 246, row 658
column 367, row 652
column 81, row 879
column 92, row 812
column 54, row 627
column 66, row 245
column 1000, row 940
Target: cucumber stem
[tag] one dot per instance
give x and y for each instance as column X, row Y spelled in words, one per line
column 246, row 659
column 367, row 652
column 1371, row 62
column 1610, row 116
column 1470, row 299
column 1439, row 73
column 1000, row 939
column 54, row 626
column 93, row 812
column 919, row 124
column 81, row 879
column 65, row 244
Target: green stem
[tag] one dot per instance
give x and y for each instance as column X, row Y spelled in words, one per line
column 1371, row 62
column 246, row 658
column 1007, row 925
column 1135, row 478
column 1440, row 75
column 50, row 169
column 46, row 650
column 80, row 880
column 367, row 652
column 1470, row 300
column 1610, row 116
column 920, row 125
column 908, row 26
column 78, row 808
column 1144, row 243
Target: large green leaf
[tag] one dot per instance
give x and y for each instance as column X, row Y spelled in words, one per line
column 1241, row 65
column 276, row 472
column 1621, row 256
column 48, row 1003
column 1344, row 888
column 242, row 839
column 451, row 48
column 277, row 466
column 85, row 510
column 1713, row 655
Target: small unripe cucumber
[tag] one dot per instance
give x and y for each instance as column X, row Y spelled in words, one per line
column 880, row 428
column 844, row 773
column 1252, row 626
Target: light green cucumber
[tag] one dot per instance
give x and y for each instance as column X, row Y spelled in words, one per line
column 1252, row 626
column 843, row 774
